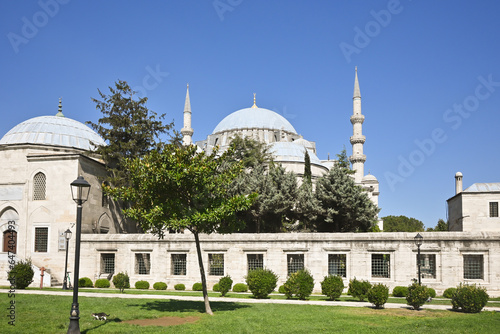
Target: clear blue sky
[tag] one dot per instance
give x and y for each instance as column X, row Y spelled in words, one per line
column 429, row 74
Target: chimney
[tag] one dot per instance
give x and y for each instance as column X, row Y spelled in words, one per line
column 458, row 183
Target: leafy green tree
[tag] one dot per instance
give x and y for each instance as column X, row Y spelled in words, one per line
column 307, row 208
column 250, row 152
column 402, row 224
column 178, row 188
column 441, row 226
column 343, row 161
column 307, row 168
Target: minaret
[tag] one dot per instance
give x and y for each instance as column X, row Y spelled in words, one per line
column 357, row 140
column 187, row 131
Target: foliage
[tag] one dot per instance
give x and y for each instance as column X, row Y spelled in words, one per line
column 144, row 285
column 261, row 282
column 299, row 284
column 225, row 284
column 469, row 298
column 432, row 293
column 448, row 293
column 359, row 289
column 21, row 275
column 121, row 281
column 417, row 295
column 157, row 286
column 197, row 287
column 307, row 168
column 180, row 287
column 332, row 286
column 402, row 224
column 102, row 283
column 400, row 291
column 216, row 287
column 85, row 282
column 250, row 152
column 281, row 289
column 378, row 295
column 307, row 208
column 240, row 287
column 343, row 161
column 441, row 226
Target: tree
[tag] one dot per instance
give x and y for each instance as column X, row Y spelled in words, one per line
column 177, row 188
column 307, row 168
column 441, row 226
column 402, row 224
column 307, row 208
column 250, row 152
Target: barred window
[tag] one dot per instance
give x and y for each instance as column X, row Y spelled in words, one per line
column 178, row 264
column 255, row 261
column 381, row 265
column 142, row 263
column 295, row 263
column 41, row 239
column 337, row 264
column 39, row 186
column 107, row 263
column 473, row 267
column 427, row 265
column 493, row 209
column 216, row 264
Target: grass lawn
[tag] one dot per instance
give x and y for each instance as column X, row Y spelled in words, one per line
column 50, row 314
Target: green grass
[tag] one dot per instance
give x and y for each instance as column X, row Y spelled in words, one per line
column 50, row 314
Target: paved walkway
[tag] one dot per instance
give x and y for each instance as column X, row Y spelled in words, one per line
column 233, row 300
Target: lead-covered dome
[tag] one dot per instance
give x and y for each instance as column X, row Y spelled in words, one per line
column 254, row 118
column 53, row 130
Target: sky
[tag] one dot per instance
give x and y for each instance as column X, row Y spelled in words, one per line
column 429, row 75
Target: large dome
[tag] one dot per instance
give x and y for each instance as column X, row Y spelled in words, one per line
column 251, row 118
column 53, row 130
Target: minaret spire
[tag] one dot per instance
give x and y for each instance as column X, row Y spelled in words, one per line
column 187, row 131
column 254, row 99
column 357, row 140
column 357, row 93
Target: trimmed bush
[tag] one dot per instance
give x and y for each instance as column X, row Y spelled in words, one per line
column 281, row 289
column 225, row 284
column 143, row 285
column 240, row 287
column 378, row 295
column 359, row 289
column 102, row 283
column 469, row 298
column 180, row 287
column 432, row 293
column 216, row 287
column 417, row 295
column 197, row 287
column 121, row 281
column 85, row 282
column 261, row 282
column 332, row 286
column 21, row 274
column 448, row 293
column 299, row 284
column 160, row 286
column 400, row 291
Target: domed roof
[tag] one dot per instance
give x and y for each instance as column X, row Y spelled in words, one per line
column 289, row 151
column 53, row 130
column 254, row 117
column 369, row 178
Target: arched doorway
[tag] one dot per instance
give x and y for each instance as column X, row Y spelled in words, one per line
column 9, row 225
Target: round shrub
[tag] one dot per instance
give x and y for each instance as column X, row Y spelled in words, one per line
column 261, row 282
column 143, row 285
column 121, row 281
column 85, row 282
column 432, row 293
column 225, row 284
column 180, row 287
column 417, row 295
column 332, row 286
column 400, row 291
column 359, row 289
column 240, row 287
column 216, row 287
column 197, row 287
column 378, row 295
column 160, row 286
column 300, row 284
column 102, row 283
column 281, row 289
column 21, row 275
column 469, row 298
column 448, row 293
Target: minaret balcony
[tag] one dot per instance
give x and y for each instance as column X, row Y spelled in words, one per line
column 357, row 119
column 187, row 131
column 359, row 139
column 357, row 158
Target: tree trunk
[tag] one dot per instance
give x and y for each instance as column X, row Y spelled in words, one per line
column 208, row 309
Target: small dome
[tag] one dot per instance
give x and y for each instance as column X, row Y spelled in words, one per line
column 289, row 151
column 250, row 118
column 458, row 174
column 369, row 178
column 53, row 130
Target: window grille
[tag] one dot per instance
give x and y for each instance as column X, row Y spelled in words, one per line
column 427, row 265
column 142, row 263
column 216, row 264
column 178, row 264
column 381, row 265
column 39, row 187
column 41, row 239
column 473, row 267
column 295, row 263
column 108, row 263
column 337, row 264
column 255, row 261
column 493, row 209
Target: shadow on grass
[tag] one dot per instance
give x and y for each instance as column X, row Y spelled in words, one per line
column 101, row 323
column 187, row 306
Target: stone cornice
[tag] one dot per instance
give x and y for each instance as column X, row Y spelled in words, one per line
column 357, row 119
column 359, row 139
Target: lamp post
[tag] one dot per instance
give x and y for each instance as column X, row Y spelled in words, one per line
column 418, row 241
column 67, row 236
column 80, row 192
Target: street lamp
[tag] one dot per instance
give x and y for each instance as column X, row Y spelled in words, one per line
column 418, row 241
column 80, row 192
column 67, row 236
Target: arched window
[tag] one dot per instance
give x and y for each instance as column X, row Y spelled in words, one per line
column 39, row 182
column 10, row 241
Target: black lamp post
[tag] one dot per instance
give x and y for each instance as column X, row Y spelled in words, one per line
column 80, row 192
column 418, row 241
column 67, row 236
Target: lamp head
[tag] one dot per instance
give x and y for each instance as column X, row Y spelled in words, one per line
column 418, row 240
column 80, row 190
